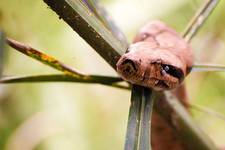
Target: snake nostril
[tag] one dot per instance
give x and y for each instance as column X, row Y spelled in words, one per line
column 129, row 65
column 128, row 69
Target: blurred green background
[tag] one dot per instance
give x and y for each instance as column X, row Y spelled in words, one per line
column 56, row 116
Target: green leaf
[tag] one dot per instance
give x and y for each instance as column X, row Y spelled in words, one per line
column 2, row 44
column 105, row 80
column 208, row 68
column 138, row 134
column 105, row 18
column 85, row 23
column 199, row 18
column 207, row 111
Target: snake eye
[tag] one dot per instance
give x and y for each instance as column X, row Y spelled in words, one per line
column 173, row 71
column 166, row 68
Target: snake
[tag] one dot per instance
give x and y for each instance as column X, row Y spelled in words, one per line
column 159, row 58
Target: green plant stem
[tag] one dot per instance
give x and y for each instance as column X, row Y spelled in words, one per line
column 145, row 119
column 208, row 68
column 190, row 132
column 199, row 18
column 207, row 111
column 138, row 135
column 2, row 45
column 105, row 80
column 107, row 20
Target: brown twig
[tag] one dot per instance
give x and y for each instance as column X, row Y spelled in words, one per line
column 46, row 59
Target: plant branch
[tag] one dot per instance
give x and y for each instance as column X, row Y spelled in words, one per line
column 200, row 17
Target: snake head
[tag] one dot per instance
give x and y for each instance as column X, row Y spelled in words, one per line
column 156, row 68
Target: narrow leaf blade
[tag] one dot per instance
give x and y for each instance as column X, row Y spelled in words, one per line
column 138, row 128
column 61, row 78
column 145, row 121
column 190, row 132
column 208, row 68
column 105, row 80
column 84, row 22
column 132, row 133
column 106, row 19
column 199, row 18
column 2, row 44
column 208, row 111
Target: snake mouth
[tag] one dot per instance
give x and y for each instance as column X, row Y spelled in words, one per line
column 162, row 84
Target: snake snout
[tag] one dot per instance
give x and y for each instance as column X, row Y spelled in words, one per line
column 127, row 67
